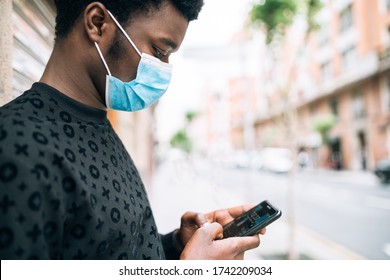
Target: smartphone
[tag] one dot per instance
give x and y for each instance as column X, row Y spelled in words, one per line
column 252, row 221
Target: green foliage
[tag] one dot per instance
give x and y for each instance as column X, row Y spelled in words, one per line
column 191, row 115
column 181, row 141
column 313, row 7
column 323, row 125
column 275, row 16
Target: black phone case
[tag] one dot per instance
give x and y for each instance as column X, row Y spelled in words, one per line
column 230, row 230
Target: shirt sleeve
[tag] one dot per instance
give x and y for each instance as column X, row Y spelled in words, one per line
column 172, row 246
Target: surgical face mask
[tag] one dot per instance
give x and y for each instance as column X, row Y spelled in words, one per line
column 152, row 81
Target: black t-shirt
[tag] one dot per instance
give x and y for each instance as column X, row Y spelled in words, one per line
column 68, row 187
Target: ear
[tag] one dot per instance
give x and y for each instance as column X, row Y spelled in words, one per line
column 97, row 23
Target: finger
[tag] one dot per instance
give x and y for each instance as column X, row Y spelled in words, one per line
column 242, row 244
column 201, row 220
column 227, row 215
column 224, row 216
column 189, row 218
column 263, row 231
column 213, row 231
column 239, row 210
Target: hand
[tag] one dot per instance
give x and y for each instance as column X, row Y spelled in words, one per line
column 234, row 248
column 206, row 244
column 190, row 223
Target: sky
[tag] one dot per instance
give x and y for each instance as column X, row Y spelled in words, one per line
column 218, row 21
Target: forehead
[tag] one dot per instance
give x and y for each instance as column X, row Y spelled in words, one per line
column 165, row 24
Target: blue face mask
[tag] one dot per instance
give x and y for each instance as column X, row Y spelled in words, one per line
column 152, row 81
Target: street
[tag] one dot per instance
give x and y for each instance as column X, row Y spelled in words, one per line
column 347, row 210
column 354, row 215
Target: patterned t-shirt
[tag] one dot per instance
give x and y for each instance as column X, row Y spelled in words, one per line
column 68, row 187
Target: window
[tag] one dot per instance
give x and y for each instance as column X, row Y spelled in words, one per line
column 323, row 36
column 349, row 57
column 312, row 111
column 388, row 140
column 346, row 18
column 388, row 4
column 334, row 107
column 301, row 119
column 326, row 70
column 358, row 108
column 387, row 96
column 388, row 37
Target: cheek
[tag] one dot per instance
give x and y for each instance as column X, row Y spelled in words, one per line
column 125, row 69
column 126, row 73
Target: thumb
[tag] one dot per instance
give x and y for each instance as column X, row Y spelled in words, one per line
column 213, row 230
column 201, row 220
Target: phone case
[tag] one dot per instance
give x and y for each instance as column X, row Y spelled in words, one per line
column 252, row 221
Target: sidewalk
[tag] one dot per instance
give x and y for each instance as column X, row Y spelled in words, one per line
column 176, row 188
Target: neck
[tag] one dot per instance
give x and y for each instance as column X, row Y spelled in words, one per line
column 66, row 71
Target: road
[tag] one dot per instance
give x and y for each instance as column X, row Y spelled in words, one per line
column 347, row 208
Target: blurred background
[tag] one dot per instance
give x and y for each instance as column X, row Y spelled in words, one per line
column 283, row 100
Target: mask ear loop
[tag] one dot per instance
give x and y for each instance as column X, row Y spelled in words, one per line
column 101, row 56
column 124, row 32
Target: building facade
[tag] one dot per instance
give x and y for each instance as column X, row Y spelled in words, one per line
column 342, row 73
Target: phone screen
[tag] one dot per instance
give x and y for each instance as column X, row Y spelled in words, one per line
column 252, row 221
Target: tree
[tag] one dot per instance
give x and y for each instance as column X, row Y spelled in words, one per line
column 190, row 116
column 323, row 125
column 275, row 17
column 180, row 139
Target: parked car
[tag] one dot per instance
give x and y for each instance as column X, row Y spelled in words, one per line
column 247, row 160
column 382, row 170
column 278, row 160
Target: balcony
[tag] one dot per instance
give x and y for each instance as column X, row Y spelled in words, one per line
column 362, row 69
column 384, row 59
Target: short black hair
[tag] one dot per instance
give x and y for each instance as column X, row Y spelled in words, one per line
column 68, row 11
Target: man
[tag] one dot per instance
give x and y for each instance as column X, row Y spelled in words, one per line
column 68, row 188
